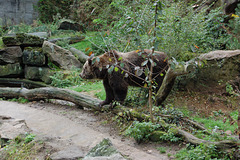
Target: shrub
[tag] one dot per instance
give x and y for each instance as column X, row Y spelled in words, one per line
column 141, row 131
column 201, row 152
column 62, row 80
column 48, row 9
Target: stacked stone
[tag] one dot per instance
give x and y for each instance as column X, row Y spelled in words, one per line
column 23, row 58
column 27, row 56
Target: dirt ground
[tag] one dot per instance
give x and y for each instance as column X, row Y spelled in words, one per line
column 100, row 123
column 203, row 104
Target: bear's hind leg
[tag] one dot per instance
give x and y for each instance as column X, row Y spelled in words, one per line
column 109, row 93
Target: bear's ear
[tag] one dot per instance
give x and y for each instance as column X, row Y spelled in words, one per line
column 90, row 59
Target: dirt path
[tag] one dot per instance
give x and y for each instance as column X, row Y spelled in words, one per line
column 81, row 127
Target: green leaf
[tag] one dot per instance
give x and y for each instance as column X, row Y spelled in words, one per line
column 139, row 72
column 120, row 58
column 110, row 70
column 146, row 71
column 122, row 65
column 116, row 69
column 144, row 63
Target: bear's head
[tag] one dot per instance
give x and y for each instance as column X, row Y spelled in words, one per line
column 96, row 67
column 87, row 70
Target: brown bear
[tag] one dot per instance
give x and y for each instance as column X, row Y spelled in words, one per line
column 119, row 70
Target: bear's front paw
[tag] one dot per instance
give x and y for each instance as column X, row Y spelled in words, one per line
column 110, row 104
column 102, row 103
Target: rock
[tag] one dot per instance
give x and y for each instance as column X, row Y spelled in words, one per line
column 112, row 157
column 33, row 56
column 38, row 73
column 218, row 67
column 60, row 56
column 71, row 40
column 69, row 153
column 69, row 25
column 82, row 57
column 104, row 151
column 10, row 70
column 10, row 55
column 22, row 39
column 11, row 128
column 39, row 34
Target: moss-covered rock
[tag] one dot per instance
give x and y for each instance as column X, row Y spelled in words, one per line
column 22, row 39
column 215, row 69
column 60, row 56
column 38, row 73
column 11, row 40
column 34, row 56
column 104, row 150
column 11, row 70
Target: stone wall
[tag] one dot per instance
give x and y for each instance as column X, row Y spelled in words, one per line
column 17, row 11
column 30, row 56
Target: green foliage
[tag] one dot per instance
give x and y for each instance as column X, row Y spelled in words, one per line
column 21, row 147
column 29, row 137
column 217, row 122
column 93, row 14
column 231, row 91
column 136, row 97
column 170, row 136
column 48, row 9
column 93, row 43
column 234, row 30
column 162, row 149
column 181, row 32
column 64, row 43
column 141, row 131
column 62, row 80
column 174, row 112
column 38, row 26
column 201, row 152
column 82, row 45
column 19, row 100
column 94, row 87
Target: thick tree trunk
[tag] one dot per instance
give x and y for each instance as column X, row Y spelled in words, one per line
column 169, row 79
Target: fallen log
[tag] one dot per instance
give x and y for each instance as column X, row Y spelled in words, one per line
column 14, row 82
column 92, row 103
column 80, row 55
column 51, row 93
column 225, row 144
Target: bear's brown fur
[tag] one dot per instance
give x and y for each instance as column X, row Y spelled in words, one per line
column 116, row 82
